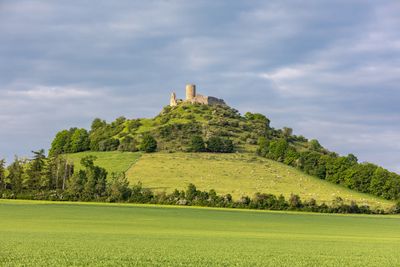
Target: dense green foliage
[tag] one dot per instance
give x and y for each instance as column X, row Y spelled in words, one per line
column 173, row 130
column 344, row 170
column 148, row 144
column 214, row 144
column 70, row 141
column 2, row 173
column 88, row 234
column 197, row 144
column 193, row 197
column 217, row 144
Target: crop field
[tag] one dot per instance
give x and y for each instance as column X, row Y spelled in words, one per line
column 239, row 175
column 35, row 233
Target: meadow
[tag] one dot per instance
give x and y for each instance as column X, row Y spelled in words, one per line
column 113, row 161
column 238, row 174
column 38, row 233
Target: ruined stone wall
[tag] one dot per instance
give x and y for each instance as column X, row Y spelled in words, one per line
column 215, row 101
column 172, row 101
column 200, row 99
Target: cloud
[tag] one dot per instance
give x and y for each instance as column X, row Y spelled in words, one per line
column 330, row 70
column 51, row 93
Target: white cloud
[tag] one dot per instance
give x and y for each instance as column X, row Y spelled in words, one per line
column 49, row 93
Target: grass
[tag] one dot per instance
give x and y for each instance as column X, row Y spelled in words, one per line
column 76, row 234
column 237, row 174
column 113, row 161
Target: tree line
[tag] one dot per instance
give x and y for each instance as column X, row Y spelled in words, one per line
column 54, row 178
column 77, row 140
column 344, row 170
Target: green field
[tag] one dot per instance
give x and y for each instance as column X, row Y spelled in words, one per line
column 113, row 161
column 237, row 174
column 76, row 234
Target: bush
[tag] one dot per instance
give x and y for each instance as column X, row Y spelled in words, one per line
column 218, row 145
column 197, row 144
column 109, row 144
column 127, row 144
column 148, row 144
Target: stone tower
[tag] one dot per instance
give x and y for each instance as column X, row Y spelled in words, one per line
column 190, row 91
column 172, row 101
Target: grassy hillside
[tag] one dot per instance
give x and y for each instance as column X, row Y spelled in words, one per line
column 113, row 161
column 75, row 234
column 236, row 174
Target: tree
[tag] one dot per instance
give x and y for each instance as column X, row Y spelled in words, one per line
column 95, row 179
column 217, row 144
column 76, row 184
column 197, row 144
column 378, row 181
column 35, row 170
column 287, row 132
column 2, row 174
column 294, row 201
column 336, row 168
column 191, row 192
column 97, row 124
column 257, row 117
column 148, row 144
column 118, row 188
column 277, row 149
column 59, row 143
column 263, row 146
column 291, row 156
column 359, row 176
column 110, row 144
column 57, row 172
column 79, row 141
column 127, row 144
column 15, row 175
column 315, row 145
column 228, row 146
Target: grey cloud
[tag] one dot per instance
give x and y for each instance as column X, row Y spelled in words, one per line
column 328, row 69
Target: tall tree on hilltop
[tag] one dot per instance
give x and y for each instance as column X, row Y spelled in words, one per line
column 79, row 141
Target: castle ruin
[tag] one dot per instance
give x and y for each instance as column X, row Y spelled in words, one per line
column 193, row 97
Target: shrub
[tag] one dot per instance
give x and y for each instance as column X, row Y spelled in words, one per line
column 218, row 145
column 127, row 144
column 197, row 144
column 109, row 144
column 148, row 144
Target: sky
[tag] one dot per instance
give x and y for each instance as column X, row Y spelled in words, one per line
column 328, row 69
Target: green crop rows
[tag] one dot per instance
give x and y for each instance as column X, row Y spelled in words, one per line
column 59, row 234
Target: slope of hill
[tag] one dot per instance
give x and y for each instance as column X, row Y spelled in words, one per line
column 238, row 174
column 112, row 161
column 176, row 128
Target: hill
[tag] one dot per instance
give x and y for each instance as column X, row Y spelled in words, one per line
column 237, row 174
column 193, row 127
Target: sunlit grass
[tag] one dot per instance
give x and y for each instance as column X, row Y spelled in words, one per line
column 239, row 175
column 113, row 161
column 51, row 234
